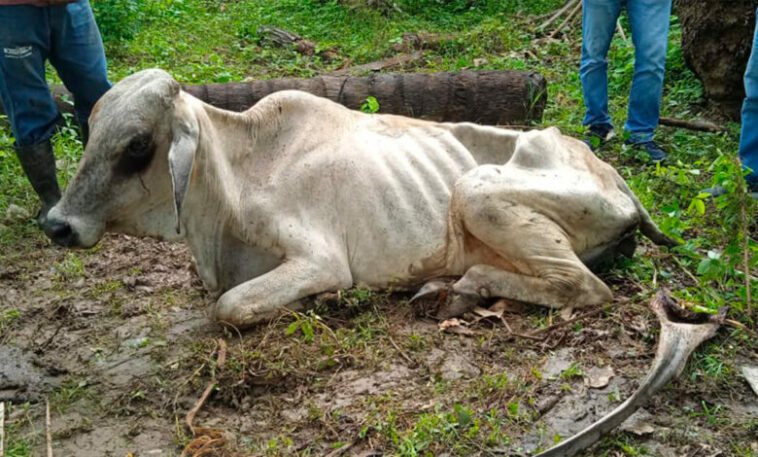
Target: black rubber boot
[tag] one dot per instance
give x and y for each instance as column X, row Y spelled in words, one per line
column 84, row 130
column 38, row 162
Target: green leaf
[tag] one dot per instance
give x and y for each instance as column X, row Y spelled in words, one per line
column 292, row 328
column 371, row 105
column 463, row 415
column 307, row 329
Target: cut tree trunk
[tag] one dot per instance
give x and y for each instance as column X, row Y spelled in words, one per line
column 484, row 97
column 716, row 41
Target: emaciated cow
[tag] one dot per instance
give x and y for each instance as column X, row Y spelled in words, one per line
column 299, row 195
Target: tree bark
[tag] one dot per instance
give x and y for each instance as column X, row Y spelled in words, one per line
column 484, row 97
column 716, row 41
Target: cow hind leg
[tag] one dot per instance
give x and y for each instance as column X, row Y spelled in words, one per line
column 546, row 271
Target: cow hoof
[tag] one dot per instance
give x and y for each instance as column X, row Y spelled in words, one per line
column 436, row 289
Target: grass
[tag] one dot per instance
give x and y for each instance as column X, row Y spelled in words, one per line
column 199, row 41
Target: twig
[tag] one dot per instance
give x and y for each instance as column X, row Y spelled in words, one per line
column 339, row 451
column 684, row 268
column 571, row 321
column 220, row 361
column 48, row 433
column 402, row 353
column 557, row 14
column 518, row 334
column 2, row 429
column 567, row 21
column 700, row 126
column 621, row 30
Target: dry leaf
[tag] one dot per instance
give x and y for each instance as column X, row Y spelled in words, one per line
column 456, row 326
column 506, row 306
column 597, row 378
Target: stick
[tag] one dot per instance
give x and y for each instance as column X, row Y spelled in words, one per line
column 339, row 451
column 558, row 14
column 220, row 361
column 621, row 30
column 402, row 353
column 567, row 21
column 571, row 321
column 2, row 429
column 699, row 126
column 48, row 433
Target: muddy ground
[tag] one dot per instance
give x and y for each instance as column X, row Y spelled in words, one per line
column 117, row 340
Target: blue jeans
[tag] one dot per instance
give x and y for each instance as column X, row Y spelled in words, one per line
column 67, row 36
column 749, row 135
column 649, row 20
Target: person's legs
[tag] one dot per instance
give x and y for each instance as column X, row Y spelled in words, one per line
column 649, row 20
column 24, row 45
column 78, row 56
column 598, row 25
column 749, row 135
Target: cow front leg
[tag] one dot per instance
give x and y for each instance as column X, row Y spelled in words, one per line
column 264, row 297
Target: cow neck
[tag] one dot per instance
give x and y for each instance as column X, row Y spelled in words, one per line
column 226, row 140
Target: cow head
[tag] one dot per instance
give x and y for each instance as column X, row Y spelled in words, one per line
column 135, row 169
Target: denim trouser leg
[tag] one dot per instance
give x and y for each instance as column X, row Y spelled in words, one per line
column 24, row 38
column 749, row 136
column 598, row 25
column 63, row 34
column 649, row 20
column 78, row 56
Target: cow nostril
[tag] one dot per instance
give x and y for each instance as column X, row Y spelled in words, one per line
column 60, row 232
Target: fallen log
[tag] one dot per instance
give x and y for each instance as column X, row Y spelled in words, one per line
column 701, row 126
column 384, row 64
column 415, row 41
column 484, row 97
column 284, row 38
column 681, row 332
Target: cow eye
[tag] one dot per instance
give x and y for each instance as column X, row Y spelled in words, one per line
column 139, row 146
column 136, row 155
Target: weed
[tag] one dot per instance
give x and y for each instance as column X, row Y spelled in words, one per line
column 573, row 371
column 70, row 268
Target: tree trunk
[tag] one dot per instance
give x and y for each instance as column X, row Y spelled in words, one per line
column 484, row 97
column 716, row 41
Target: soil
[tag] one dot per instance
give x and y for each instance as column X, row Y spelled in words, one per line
column 117, row 340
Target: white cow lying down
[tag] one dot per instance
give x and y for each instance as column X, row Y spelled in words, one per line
column 299, row 195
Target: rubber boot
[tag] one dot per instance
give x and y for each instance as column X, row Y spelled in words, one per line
column 38, row 162
column 84, row 131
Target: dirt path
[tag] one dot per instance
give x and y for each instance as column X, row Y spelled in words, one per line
column 118, row 340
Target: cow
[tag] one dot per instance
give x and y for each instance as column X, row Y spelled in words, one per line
column 299, row 195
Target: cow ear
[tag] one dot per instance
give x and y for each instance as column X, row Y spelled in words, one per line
column 181, row 157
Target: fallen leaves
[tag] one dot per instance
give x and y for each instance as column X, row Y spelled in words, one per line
column 456, row 326
column 597, row 378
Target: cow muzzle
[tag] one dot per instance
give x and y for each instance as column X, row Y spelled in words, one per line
column 71, row 231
